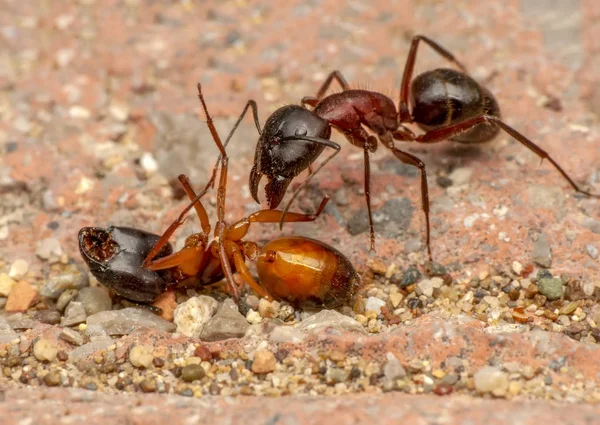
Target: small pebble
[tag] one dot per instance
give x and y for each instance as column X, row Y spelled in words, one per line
column 44, row 350
column 18, row 269
column 434, row 269
column 411, row 275
column 52, row 378
column 94, row 300
column 393, row 369
column 461, row 175
column 551, row 288
column 252, row 301
column 335, row 375
column 227, row 322
column 21, row 297
column 426, row 287
column 264, row 362
column 148, row 385
column 74, row 314
column 253, row 317
column 71, row 336
column 396, row 298
column 374, row 304
column 490, row 379
column 268, row 309
column 592, row 251
column 148, row 163
column 192, row 372
column 141, row 356
column 330, row 319
column 65, row 298
column 6, row 284
column 50, row 317
column 286, row 312
column 517, row 267
column 191, row 316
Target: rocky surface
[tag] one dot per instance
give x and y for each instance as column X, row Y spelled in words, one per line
column 98, row 116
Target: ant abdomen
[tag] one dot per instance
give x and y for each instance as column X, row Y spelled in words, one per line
column 443, row 97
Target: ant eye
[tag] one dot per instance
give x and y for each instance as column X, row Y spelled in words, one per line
column 301, row 131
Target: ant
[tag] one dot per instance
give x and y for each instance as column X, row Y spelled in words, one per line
column 446, row 103
column 299, row 270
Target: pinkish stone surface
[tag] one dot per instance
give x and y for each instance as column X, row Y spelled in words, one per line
column 87, row 88
column 62, row 406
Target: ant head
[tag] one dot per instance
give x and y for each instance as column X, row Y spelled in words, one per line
column 115, row 255
column 280, row 156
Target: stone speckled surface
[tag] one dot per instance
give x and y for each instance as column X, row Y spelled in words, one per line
column 88, row 89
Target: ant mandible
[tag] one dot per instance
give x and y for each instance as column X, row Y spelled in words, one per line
column 447, row 104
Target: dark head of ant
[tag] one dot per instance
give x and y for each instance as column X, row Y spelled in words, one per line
column 286, row 148
column 115, row 256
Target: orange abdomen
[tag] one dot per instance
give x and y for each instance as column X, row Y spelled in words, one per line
column 306, row 272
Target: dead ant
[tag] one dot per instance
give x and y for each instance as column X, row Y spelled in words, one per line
column 299, row 270
column 447, row 104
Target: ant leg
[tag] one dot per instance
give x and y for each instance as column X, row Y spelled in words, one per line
column 310, row 101
column 189, row 191
column 403, row 111
column 238, row 230
column 328, row 143
column 445, row 133
column 250, row 104
column 335, row 75
column 221, row 227
column 409, row 159
column 202, row 215
column 242, row 269
column 368, row 195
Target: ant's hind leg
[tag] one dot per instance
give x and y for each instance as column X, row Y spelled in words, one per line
column 403, row 111
column 444, row 133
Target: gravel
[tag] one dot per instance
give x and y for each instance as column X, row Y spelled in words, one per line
column 193, row 314
column 227, row 322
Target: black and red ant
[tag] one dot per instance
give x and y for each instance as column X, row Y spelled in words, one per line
column 446, row 103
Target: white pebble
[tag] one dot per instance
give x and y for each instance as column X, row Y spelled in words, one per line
column 374, row 304
column 44, row 350
column 148, row 163
column 490, row 379
column 141, row 356
column 253, row 317
column 517, row 267
column 191, row 316
column 79, row 112
column 18, row 269
column 119, row 111
column 460, row 175
column 6, row 284
column 426, row 287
